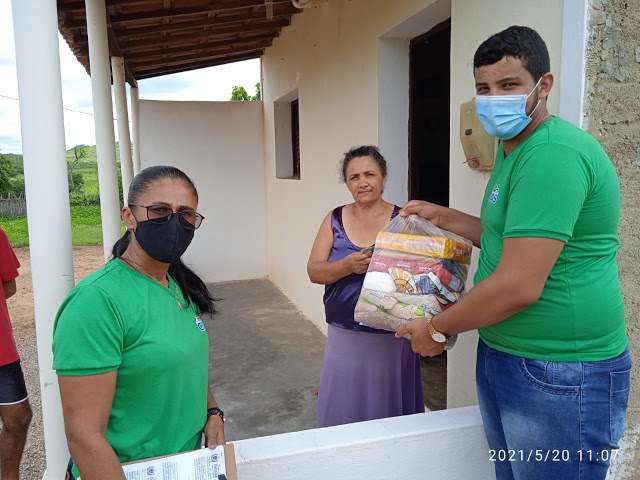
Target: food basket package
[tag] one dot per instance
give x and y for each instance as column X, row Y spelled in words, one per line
column 417, row 270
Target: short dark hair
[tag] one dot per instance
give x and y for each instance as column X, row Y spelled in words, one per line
column 362, row 151
column 518, row 42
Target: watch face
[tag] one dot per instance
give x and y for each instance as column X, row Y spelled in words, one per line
column 439, row 337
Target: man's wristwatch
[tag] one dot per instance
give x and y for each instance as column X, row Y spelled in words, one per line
column 216, row 411
column 435, row 334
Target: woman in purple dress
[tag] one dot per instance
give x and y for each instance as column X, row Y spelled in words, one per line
column 366, row 373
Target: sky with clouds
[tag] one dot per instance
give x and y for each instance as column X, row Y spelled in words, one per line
column 208, row 84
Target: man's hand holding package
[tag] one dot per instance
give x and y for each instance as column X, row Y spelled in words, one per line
column 426, row 210
column 421, row 341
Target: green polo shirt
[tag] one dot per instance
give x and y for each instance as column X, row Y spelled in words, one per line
column 559, row 183
column 119, row 319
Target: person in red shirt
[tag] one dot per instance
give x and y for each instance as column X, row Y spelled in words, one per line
column 15, row 410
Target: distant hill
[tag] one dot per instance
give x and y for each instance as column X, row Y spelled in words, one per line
column 88, row 166
column 91, row 157
column 90, row 160
column 16, row 159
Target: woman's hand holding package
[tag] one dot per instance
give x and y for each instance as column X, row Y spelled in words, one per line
column 214, row 432
column 421, row 341
column 357, row 262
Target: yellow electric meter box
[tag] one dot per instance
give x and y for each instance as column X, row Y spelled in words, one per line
column 479, row 147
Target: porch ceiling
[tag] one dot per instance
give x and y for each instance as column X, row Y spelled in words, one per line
column 158, row 37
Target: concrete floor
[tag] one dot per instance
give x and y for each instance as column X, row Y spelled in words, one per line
column 265, row 362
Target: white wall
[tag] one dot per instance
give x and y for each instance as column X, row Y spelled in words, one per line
column 220, row 146
column 393, row 93
column 448, row 444
column 393, row 114
column 348, row 61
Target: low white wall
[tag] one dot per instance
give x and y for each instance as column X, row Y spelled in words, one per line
column 220, row 146
column 448, row 444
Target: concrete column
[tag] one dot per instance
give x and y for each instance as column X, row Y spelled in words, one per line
column 126, row 167
column 135, row 128
column 575, row 20
column 35, row 25
column 103, row 117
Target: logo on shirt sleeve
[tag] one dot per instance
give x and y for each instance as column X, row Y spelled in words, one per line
column 199, row 323
column 493, row 198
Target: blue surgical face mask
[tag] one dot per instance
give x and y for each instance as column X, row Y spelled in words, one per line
column 504, row 116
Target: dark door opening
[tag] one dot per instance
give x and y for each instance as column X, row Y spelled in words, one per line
column 429, row 94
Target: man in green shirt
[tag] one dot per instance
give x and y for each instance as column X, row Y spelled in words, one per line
column 553, row 365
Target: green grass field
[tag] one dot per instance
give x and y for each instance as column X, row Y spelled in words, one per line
column 88, row 167
column 86, row 227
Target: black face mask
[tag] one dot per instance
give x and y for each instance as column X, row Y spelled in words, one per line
column 165, row 242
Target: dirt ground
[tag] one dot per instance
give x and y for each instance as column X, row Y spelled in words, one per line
column 86, row 259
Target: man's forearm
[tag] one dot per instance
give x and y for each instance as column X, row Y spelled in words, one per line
column 517, row 282
column 494, row 299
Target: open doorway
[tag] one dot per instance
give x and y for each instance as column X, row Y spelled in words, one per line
column 418, row 159
column 429, row 137
column 429, row 100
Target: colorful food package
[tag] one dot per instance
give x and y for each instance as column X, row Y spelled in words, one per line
column 417, row 270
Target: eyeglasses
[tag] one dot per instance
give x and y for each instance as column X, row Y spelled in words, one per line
column 159, row 214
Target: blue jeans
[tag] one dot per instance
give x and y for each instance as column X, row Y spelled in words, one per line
column 551, row 420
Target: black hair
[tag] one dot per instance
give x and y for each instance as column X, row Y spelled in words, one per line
column 362, row 151
column 519, row 42
column 192, row 286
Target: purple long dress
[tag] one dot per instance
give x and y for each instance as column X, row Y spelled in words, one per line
column 366, row 373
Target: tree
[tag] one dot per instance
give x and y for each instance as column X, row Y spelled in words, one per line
column 77, row 181
column 120, row 189
column 79, row 153
column 17, row 186
column 241, row 95
column 6, row 174
column 258, row 95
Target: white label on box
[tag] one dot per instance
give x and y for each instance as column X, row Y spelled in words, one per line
column 204, row 464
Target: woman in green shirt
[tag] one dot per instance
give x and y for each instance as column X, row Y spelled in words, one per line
column 130, row 349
